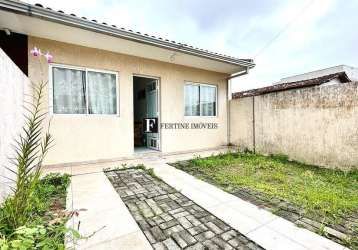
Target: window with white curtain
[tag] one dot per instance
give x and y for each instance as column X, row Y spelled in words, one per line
column 84, row 91
column 200, row 99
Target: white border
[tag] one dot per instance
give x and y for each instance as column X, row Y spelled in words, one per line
column 216, row 97
column 50, row 92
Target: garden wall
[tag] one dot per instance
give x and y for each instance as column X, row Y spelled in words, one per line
column 13, row 87
column 317, row 125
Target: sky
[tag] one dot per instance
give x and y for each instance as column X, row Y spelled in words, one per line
column 284, row 38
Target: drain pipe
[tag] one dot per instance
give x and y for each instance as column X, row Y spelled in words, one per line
column 253, row 125
column 229, row 97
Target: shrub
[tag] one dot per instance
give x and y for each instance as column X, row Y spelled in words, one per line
column 26, row 220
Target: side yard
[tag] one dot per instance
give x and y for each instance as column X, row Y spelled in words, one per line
column 44, row 227
column 321, row 200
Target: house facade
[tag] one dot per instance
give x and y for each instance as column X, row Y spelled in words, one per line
column 107, row 85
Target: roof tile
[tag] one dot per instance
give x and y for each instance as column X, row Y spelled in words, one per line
column 342, row 76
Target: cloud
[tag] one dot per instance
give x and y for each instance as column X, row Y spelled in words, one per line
column 322, row 36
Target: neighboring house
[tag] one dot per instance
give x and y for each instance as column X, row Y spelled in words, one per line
column 351, row 72
column 305, row 82
column 105, row 80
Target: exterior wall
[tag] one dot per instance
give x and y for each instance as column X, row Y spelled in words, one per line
column 241, row 123
column 13, row 87
column 314, row 125
column 87, row 138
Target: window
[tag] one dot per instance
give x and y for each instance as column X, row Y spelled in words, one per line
column 200, row 100
column 83, row 91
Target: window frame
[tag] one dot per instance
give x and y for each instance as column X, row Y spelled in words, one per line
column 200, row 111
column 85, row 69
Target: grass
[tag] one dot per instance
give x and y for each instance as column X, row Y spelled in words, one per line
column 46, row 227
column 323, row 194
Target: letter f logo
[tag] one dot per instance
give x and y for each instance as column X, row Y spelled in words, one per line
column 150, row 125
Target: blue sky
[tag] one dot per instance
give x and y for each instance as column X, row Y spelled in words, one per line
column 323, row 35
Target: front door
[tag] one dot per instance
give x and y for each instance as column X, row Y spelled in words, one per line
column 152, row 112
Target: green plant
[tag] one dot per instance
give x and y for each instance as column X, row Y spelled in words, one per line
column 46, row 229
column 33, row 216
column 30, row 151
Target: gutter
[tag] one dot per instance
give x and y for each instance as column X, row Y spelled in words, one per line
column 241, row 73
column 83, row 23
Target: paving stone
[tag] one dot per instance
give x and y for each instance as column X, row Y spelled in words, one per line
column 228, row 235
column 193, row 220
column 174, row 229
column 221, row 225
column 213, row 227
column 166, row 217
column 147, row 213
column 175, row 211
column 190, row 240
column 159, row 246
column 181, row 214
column 158, row 220
column 198, row 229
column 149, row 236
column 137, row 215
column 157, row 234
column 187, row 203
column 252, row 246
column 184, row 222
column 210, row 245
column 151, row 222
column 221, row 243
column 169, row 219
column 204, row 236
column 179, row 240
column 132, row 206
column 335, row 233
column 234, row 242
column 170, row 244
column 197, row 246
column 243, row 247
column 204, row 216
column 168, row 224
column 143, row 224
column 155, row 208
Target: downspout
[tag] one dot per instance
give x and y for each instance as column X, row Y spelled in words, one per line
column 229, row 97
column 253, row 125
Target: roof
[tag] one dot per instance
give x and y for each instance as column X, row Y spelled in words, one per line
column 351, row 72
column 46, row 13
column 341, row 76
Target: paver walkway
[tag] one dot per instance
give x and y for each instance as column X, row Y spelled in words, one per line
column 91, row 189
column 261, row 226
column 169, row 219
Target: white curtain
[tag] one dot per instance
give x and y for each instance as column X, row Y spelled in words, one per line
column 102, row 93
column 208, row 100
column 69, row 91
column 191, row 96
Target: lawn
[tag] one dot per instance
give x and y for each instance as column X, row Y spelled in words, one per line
column 326, row 196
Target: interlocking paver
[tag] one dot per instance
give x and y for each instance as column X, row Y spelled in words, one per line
column 169, row 219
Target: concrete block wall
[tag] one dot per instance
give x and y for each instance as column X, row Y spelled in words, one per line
column 14, row 89
column 317, row 125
